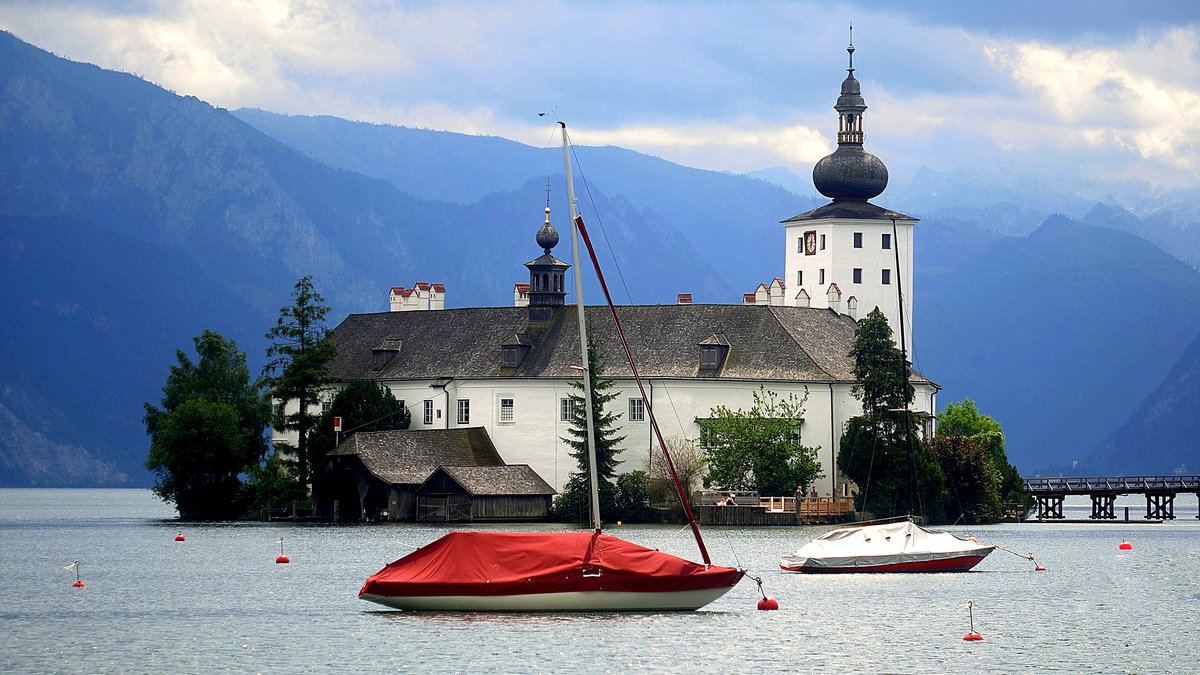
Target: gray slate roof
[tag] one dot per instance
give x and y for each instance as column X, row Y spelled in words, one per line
column 765, row 343
column 513, row 479
column 409, row 457
column 859, row 210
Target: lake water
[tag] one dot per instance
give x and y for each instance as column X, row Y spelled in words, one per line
column 218, row 601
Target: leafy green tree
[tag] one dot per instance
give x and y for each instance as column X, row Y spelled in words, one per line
column 605, row 439
column 208, row 430
column 760, row 449
column 272, row 483
column 633, row 497
column 964, row 419
column 298, row 366
column 363, row 405
column 970, row 477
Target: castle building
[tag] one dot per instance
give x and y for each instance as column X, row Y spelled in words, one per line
column 509, row 370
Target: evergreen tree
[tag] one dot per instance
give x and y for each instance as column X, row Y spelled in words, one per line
column 877, row 366
column 208, row 430
column 298, row 366
column 568, row 503
column 875, row 450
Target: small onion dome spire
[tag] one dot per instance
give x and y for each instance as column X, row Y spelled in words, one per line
column 547, row 237
column 850, row 173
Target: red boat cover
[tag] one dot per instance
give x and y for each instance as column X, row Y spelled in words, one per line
column 510, row 563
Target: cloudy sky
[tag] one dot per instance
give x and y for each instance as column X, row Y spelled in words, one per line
column 1094, row 90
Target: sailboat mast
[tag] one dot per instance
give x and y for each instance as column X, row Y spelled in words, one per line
column 912, row 478
column 583, row 341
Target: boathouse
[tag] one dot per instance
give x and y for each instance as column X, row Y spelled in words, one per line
column 428, row 474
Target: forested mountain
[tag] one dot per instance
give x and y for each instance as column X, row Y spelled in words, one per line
column 1160, row 436
column 132, row 219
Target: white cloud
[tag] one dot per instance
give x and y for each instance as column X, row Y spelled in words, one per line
column 1116, row 97
column 708, row 85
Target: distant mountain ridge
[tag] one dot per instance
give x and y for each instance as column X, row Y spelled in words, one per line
column 131, row 219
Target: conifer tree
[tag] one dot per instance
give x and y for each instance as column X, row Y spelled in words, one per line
column 573, row 502
column 298, row 366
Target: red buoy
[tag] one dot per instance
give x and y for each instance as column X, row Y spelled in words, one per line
column 768, row 603
column 179, row 537
column 281, row 558
column 972, row 636
column 78, row 584
column 1124, row 546
column 1039, row 568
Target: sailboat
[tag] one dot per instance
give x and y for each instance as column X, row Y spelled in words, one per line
column 902, row 546
column 556, row 571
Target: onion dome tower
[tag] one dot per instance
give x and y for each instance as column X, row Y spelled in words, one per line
column 546, row 290
column 843, row 256
column 850, row 173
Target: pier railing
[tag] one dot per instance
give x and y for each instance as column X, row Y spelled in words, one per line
column 1160, row 492
column 1083, row 485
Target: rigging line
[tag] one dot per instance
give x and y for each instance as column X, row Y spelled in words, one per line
column 687, row 507
column 587, row 186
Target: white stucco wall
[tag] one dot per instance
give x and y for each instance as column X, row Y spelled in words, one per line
column 839, row 259
column 534, row 437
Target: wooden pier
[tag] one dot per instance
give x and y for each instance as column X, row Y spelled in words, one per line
column 1160, row 493
column 750, row 509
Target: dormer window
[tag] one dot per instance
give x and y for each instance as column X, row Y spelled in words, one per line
column 713, row 351
column 384, row 352
column 514, row 351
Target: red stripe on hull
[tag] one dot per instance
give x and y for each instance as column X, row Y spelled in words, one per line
column 958, row 564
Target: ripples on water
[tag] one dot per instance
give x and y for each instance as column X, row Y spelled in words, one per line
column 218, row 601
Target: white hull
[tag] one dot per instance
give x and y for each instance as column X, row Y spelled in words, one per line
column 589, row 601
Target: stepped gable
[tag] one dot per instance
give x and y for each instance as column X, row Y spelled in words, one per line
column 765, row 343
column 409, row 457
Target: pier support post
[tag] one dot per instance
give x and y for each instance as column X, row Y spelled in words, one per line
column 1103, row 506
column 1160, row 506
column 1049, row 507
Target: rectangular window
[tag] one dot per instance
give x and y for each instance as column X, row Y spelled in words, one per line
column 800, row 245
column 887, row 240
column 637, row 410
column 858, row 275
column 428, row 417
column 821, row 277
column 887, row 277
column 506, row 411
column 822, row 242
column 707, row 438
column 799, row 278
column 858, row 240
column 464, row 411
column 326, row 405
column 566, row 409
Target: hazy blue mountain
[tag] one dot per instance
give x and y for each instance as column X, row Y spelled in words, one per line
column 1175, row 234
column 1163, row 434
column 133, row 218
column 92, row 321
column 1059, row 335
column 708, row 210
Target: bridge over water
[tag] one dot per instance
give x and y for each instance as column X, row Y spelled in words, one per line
column 1160, row 492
